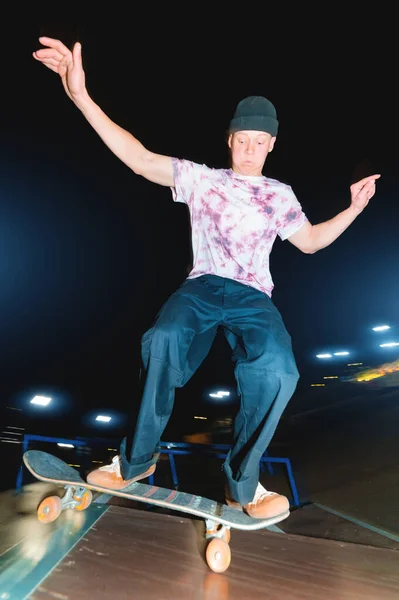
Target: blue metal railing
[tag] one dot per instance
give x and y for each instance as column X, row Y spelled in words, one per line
column 177, row 448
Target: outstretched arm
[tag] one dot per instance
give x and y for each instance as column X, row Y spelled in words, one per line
column 311, row 238
column 57, row 57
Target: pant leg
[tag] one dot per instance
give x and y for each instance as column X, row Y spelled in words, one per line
column 172, row 350
column 266, row 376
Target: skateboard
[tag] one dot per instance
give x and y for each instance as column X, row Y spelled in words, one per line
column 219, row 518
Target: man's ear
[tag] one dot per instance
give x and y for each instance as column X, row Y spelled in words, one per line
column 272, row 142
column 229, row 139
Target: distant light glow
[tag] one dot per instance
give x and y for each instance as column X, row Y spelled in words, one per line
column 381, row 328
column 324, row 355
column 345, row 353
column 62, row 445
column 387, row 369
column 219, row 394
column 389, row 345
column 331, row 377
column 203, row 418
column 317, row 385
column 354, row 364
column 103, row 418
column 42, row 400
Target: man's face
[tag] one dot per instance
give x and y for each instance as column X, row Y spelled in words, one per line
column 249, row 150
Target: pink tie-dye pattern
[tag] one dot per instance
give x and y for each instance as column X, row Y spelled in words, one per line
column 235, row 221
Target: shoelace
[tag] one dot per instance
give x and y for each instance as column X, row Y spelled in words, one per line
column 260, row 493
column 114, row 466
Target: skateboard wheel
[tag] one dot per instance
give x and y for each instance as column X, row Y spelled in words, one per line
column 84, row 501
column 49, row 509
column 218, row 555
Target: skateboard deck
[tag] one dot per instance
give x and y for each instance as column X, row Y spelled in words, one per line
column 219, row 517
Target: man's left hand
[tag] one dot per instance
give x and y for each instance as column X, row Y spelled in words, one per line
column 362, row 191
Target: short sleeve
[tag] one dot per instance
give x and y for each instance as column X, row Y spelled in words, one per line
column 292, row 217
column 186, row 175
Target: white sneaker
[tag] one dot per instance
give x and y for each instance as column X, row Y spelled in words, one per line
column 109, row 476
column 265, row 504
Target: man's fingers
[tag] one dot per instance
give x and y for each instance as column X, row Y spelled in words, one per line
column 46, row 53
column 77, row 54
column 371, row 178
column 368, row 185
column 50, row 64
column 366, row 189
column 365, row 185
column 55, row 44
column 59, row 66
column 369, row 189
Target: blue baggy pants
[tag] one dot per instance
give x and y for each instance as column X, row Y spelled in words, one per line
column 175, row 346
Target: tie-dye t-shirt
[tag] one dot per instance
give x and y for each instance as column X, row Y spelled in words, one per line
column 235, row 220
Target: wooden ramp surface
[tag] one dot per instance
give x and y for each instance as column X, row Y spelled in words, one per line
column 137, row 554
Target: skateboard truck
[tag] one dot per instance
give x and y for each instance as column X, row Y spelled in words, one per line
column 214, row 529
column 78, row 498
column 74, row 497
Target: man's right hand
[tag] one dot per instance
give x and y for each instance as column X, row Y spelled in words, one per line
column 124, row 145
column 67, row 64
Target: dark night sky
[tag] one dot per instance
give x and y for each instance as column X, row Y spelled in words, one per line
column 89, row 251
